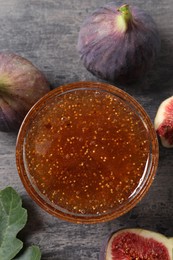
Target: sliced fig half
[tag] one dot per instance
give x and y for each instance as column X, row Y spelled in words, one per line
column 137, row 244
column 164, row 122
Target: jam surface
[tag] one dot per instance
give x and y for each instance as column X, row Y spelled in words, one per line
column 86, row 151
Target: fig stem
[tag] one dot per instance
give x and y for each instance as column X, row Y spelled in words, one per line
column 126, row 15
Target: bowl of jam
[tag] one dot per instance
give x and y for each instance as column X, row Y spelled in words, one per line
column 87, row 152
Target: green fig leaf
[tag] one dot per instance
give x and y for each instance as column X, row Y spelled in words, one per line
column 31, row 253
column 12, row 219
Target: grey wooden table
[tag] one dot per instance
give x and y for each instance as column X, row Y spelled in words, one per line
column 45, row 32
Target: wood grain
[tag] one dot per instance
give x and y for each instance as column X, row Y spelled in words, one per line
column 46, row 33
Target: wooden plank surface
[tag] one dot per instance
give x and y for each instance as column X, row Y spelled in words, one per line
column 46, row 33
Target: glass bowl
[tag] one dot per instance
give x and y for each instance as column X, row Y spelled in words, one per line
column 87, row 152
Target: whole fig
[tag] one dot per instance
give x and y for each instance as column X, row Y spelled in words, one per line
column 21, row 85
column 118, row 43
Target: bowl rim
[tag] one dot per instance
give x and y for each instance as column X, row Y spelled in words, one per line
column 111, row 89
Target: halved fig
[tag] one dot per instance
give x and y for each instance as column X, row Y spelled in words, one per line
column 137, row 244
column 163, row 122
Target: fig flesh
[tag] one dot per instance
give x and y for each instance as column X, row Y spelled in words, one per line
column 21, row 85
column 128, row 244
column 163, row 122
column 118, row 43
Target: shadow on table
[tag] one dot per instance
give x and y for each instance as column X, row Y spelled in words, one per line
column 34, row 222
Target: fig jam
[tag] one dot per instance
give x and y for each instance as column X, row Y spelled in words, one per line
column 86, row 151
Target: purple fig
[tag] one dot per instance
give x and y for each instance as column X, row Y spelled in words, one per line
column 21, row 85
column 118, row 43
column 163, row 122
column 137, row 243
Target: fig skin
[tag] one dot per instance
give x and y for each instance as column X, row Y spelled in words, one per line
column 117, row 48
column 164, row 245
column 163, row 122
column 21, row 85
